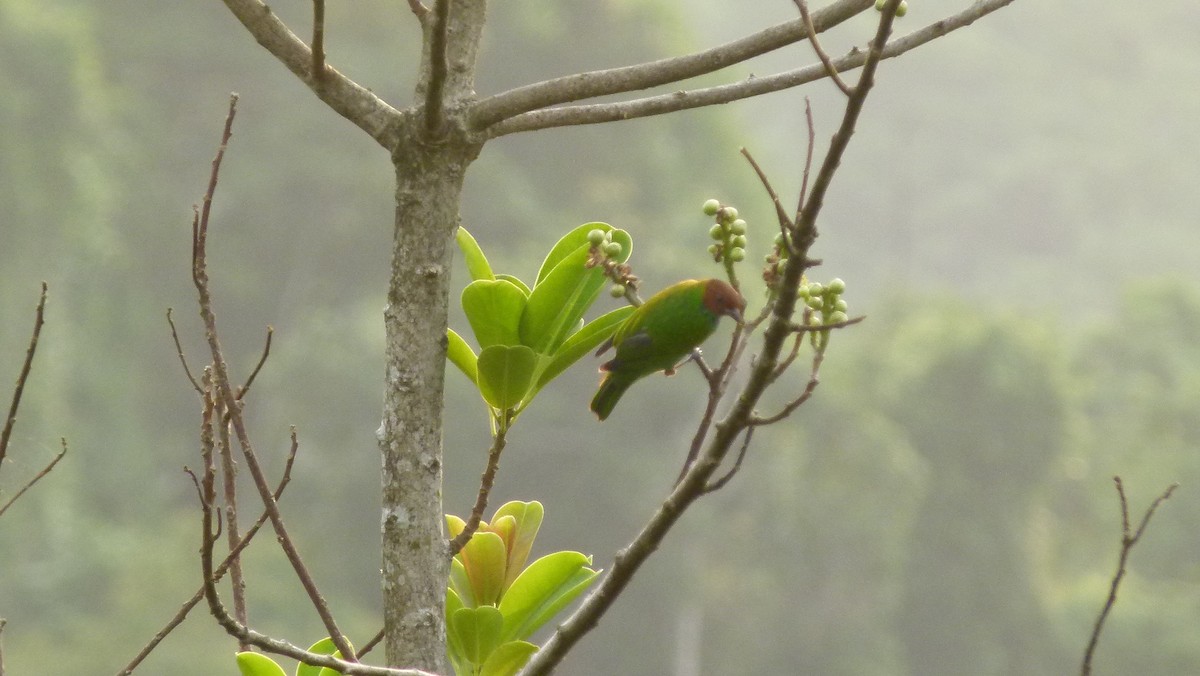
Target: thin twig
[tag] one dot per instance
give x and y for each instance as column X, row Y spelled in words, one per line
column 225, row 392
column 23, row 377
column 318, row 41
column 808, row 158
column 485, row 488
column 1129, row 538
column 220, row 571
column 370, row 645
column 179, row 350
column 737, row 464
column 816, row 45
column 785, row 223
column 229, row 493
column 36, row 478
column 241, row 393
column 2, row 623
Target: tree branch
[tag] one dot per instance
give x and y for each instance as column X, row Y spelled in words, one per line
column 485, row 488
column 754, row 86
column 494, row 109
column 695, row 481
column 435, row 91
column 318, row 41
column 36, row 478
column 802, row 5
column 1129, row 538
column 38, row 320
column 353, row 102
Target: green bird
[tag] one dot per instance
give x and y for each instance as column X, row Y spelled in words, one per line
column 661, row 332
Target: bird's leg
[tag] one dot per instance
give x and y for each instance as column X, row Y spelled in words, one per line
column 692, row 356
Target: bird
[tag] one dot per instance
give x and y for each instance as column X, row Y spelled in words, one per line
column 661, row 332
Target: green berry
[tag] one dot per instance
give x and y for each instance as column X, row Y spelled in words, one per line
column 612, row 249
column 901, row 9
column 815, row 319
column 837, row 286
column 781, row 266
column 816, row 289
column 617, row 290
column 728, row 214
column 738, row 227
column 711, row 207
column 737, row 254
column 739, row 241
column 802, row 292
column 879, row 5
column 815, row 302
column 596, row 237
column 840, row 305
column 837, row 317
column 717, row 232
column 714, row 249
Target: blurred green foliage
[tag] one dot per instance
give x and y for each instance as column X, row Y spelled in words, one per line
column 1025, row 250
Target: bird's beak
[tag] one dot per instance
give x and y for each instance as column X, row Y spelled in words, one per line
column 735, row 313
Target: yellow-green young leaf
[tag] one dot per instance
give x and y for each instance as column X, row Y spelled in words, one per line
column 455, row 525
column 479, row 631
column 507, row 659
column 528, row 519
column 494, row 308
column 483, row 559
column 323, row 647
column 477, row 263
column 559, row 301
column 460, row 584
column 258, row 664
column 567, row 244
column 505, row 375
column 543, row 589
column 461, row 355
column 581, row 343
column 516, row 282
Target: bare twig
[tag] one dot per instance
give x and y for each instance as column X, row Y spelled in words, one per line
column 370, row 645
column 756, row 86
column 785, row 223
column 220, row 571
column 225, row 392
column 718, row 484
column 816, row 45
column 1129, row 538
column 241, row 393
column 2, row 623
column 485, row 488
column 318, row 41
column 36, row 478
column 516, row 102
column 179, row 350
column 229, row 492
column 23, row 377
column 435, row 88
column 347, row 98
column 808, row 158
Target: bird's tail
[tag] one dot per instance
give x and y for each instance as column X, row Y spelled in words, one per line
column 609, row 394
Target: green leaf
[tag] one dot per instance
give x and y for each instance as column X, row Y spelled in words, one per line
column 516, row 281
column 508, row 659
column 494, row 308
column 258, row 664
column 528, row 518
column 566, row 245
column 477, row 263
column 583, row 342
column 454, row 646
column 543, row 589
column 461, row 355
column 505, row 374
column 323, row 647
column 559, row 301
column 484, row 558
column 479, row 630
column 460, row 584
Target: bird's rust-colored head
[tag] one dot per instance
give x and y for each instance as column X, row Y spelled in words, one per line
column 722, row 299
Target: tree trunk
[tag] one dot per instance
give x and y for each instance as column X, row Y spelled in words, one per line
column 429, row 179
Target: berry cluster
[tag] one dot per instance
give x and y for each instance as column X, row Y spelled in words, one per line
column 729, row 233
column 604, row 251
column 824, row 304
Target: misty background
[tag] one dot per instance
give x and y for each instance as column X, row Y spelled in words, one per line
column 1017, row 216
